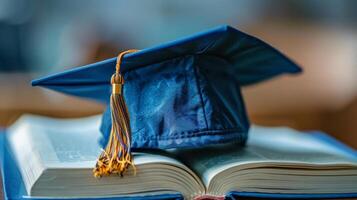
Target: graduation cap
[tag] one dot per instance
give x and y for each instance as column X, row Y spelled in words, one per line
column 184, row 93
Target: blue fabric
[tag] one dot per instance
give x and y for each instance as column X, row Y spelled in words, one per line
column 184, row 93
column 240, row 195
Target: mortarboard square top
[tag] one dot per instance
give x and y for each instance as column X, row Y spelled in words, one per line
column 184, row 93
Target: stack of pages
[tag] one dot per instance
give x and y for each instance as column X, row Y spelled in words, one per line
column 55, row 158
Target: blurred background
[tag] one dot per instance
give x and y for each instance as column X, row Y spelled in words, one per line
column 42, row 37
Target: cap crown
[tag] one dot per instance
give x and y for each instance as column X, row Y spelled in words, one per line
column 184, row 93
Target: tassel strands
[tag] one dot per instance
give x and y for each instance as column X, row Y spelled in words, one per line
column 116, row 157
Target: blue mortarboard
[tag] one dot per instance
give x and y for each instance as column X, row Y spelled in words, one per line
column 184, row 93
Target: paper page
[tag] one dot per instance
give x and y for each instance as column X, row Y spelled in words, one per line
column 70, row 143
column 273, row 145
column 41, row 143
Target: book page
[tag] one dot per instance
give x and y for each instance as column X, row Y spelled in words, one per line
column 277, row 146
column 61, row 142
column 70, row 143
column 49, row 149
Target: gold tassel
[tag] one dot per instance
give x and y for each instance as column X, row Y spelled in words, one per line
column 116, row 157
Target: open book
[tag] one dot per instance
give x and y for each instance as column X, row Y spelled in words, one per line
column 56, row 156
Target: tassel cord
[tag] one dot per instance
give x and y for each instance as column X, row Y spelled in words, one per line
column 116, row 158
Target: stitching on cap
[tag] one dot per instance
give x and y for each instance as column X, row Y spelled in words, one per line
column 197, row 133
